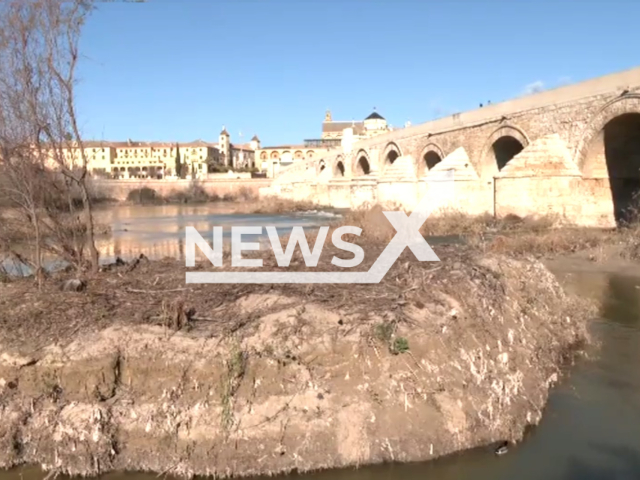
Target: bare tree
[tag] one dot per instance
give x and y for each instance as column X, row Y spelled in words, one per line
column 39, row 132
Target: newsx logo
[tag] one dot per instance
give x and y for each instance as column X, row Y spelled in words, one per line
column 440, row 187
column 283, row 257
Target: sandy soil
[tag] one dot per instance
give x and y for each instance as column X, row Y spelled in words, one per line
column 139, row 371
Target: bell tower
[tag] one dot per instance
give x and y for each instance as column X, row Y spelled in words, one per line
column 327, row 116
column 224, row 146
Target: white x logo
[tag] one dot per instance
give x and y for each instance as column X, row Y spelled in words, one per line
column 408, row 228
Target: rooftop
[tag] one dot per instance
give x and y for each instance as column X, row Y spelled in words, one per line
column 375, row 116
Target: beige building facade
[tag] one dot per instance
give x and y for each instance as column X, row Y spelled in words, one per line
column 158, row 160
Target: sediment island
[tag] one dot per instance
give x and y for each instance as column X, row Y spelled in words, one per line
column 131, row 369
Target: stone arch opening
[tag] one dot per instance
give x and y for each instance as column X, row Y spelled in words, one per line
column 339, row 171
column 263, row 155
column 275, row 155
column 504, row 149
column 391, row 153
column 431, row 159
column 619, row 143
column 363, row 167
column 428, row 157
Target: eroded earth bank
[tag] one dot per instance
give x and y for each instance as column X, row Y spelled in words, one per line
column 141, row 372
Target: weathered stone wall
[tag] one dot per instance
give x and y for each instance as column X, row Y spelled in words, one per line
column 119, row 189
column 566, row 141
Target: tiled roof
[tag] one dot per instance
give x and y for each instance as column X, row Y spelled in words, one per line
column 141, row 144
column 243, row 146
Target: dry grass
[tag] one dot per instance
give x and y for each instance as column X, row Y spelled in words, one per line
column 195, row 193
column 540, row 236
column 551, row 242
column 275, row 206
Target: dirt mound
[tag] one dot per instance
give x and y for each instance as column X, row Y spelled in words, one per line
column 267, row 379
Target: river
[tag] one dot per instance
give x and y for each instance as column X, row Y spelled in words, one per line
column 590, row 429
column 158, row 231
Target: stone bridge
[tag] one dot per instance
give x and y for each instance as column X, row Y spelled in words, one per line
column 573, row 151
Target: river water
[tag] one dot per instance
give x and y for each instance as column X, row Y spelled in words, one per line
column 590, row 429
column 158, row 231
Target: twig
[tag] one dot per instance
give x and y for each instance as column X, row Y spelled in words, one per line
column 133, row 290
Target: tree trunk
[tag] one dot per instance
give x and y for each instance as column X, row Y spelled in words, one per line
column 93, row 251
column 36, row 230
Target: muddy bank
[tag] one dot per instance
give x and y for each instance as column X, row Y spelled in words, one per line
column 260, row 380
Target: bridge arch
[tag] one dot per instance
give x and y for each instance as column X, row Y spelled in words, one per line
column 610, row 148
column 595, row 127
column 430, row 155
column 391, row 152
column 502, row 145
column 338, row 169
column 362, row 164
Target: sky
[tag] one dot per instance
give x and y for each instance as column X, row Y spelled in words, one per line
column 180, row 70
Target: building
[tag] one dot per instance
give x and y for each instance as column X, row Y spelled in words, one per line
column 335, row 134
column 199, row 159
column 159, row 160
column 99, row 157
column 237, row 155
column 374, row 124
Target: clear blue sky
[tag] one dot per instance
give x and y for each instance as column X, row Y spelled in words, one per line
column 178, row 70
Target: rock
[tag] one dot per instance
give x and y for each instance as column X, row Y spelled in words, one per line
column 74, row 285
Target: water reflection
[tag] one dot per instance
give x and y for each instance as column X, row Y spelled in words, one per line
column 158, row 231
